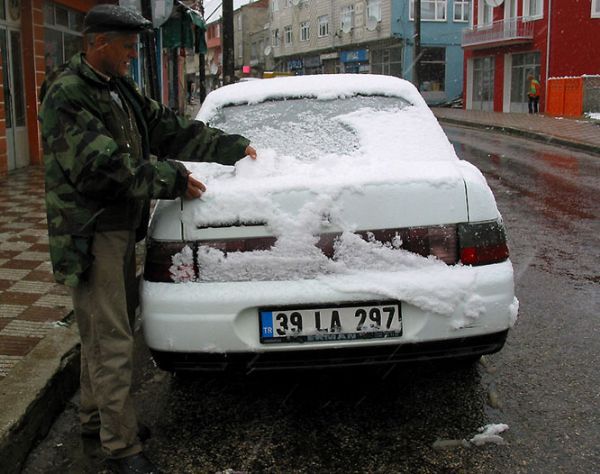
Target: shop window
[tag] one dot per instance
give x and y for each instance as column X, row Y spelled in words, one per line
column 387, row 61
column 482, row 97
column 432, row 69
column 431, row 10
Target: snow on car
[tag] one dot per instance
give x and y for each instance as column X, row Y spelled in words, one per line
column 357, row 236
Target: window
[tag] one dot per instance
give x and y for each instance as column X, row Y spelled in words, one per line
column 432, row 71
column 461, row 10
column 304, row 31
column 486, row 14
column 431, row 10
column 275, row 37
column 374, row 9
column 274, row 6
column 239, row 22
column 323, row 22
column 287, row 35
column 533, row 8
column 387, row 61
column 62, row 34
column 595, row 8
column 347, row 17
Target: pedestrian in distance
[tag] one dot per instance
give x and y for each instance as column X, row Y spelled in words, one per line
column 533, row 94
column 98, row 133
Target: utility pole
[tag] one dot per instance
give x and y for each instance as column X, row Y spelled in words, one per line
column 417, row 47
column 201, row 60
column 149, row 42
column 227, row 43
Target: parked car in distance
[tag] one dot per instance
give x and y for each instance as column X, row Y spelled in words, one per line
column 356, row 237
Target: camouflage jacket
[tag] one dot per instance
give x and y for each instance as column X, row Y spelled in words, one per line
column 98, row 136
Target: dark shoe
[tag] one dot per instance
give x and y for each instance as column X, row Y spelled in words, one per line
column 136, row 464
column 144, row 433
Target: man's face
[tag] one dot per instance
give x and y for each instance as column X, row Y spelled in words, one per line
column 119, row 50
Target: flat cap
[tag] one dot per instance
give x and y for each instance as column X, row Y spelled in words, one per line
column 106, row 17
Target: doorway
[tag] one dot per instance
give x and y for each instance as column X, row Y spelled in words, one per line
column 14, row 97
column 483, row 84
column 522, row 66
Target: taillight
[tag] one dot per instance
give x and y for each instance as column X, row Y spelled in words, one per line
column 439, row 241
column 170, row 261
column 482, row 243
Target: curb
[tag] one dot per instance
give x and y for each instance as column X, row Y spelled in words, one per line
column 548, row 139
column 35, row 392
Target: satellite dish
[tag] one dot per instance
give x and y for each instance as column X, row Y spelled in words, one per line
column 214, row 68
column 268, row 51
column 346, row 27
column 494, row 3
column 295, row 2
column 371, row 23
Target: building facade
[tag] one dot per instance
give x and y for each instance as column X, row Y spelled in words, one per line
column 507, row 42
column 321, row 36
column 35, row 37
column 250, row 38
column 441, row 62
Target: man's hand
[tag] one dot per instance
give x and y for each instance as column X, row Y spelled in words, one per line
column 195, row 188
column 251, row 152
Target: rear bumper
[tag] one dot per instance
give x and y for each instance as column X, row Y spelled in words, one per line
column 214, row 324
column 467, row 347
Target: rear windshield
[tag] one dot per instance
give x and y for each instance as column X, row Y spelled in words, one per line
column 303, row 127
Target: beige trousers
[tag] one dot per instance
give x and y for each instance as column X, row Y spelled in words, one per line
column 104, row 307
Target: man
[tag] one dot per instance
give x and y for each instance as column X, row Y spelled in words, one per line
column 98, row 132
column 533, row 94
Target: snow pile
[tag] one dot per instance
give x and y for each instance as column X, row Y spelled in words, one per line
column 182, row 269
column 489, row 434
column 593, row 115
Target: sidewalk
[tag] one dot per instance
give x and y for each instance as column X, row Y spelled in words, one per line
column 39, row 345
column 579, row 134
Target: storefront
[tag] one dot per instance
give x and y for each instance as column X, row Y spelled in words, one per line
column 312, row 65
column 356, row 61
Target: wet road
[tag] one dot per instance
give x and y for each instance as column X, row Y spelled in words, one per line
column 545, row 384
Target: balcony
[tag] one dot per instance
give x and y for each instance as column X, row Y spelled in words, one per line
column 498, row 33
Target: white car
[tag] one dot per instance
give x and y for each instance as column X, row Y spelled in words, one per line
column 356, row 237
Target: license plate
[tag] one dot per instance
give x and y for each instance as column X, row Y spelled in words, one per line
column 330, row 323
